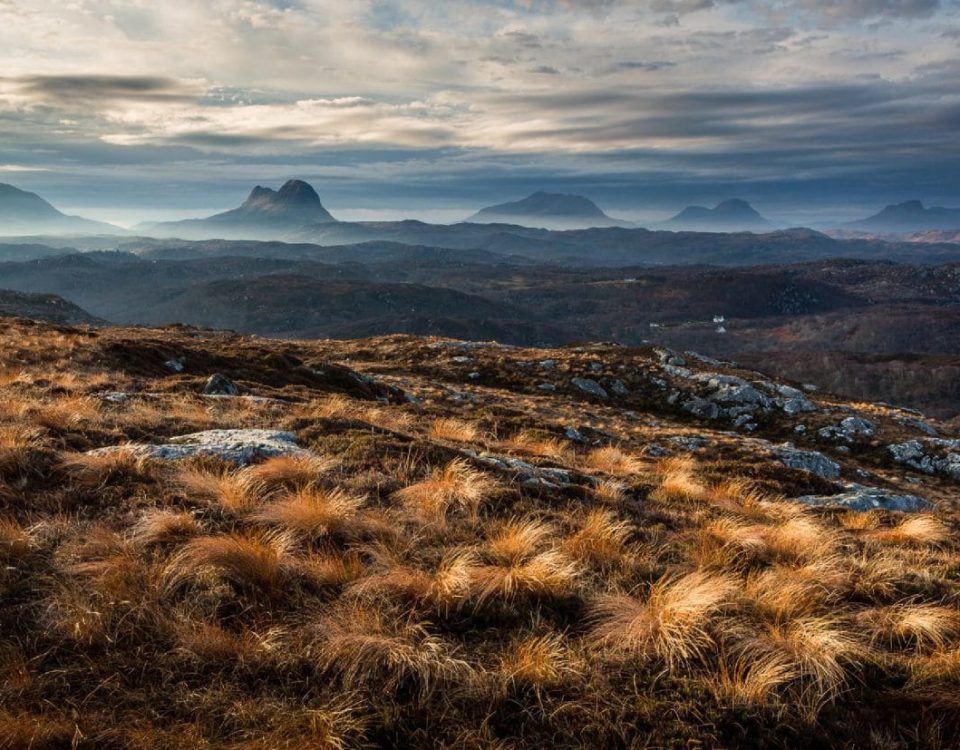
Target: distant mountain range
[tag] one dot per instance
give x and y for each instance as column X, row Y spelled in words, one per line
column 732, row 215
column 911, row 216
column 265, row 214
column 27, row 213
column 549, row 211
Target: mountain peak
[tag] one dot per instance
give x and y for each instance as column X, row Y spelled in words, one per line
column 293, row 193
column 732, row 214
column 910, row 216
column 553, row 210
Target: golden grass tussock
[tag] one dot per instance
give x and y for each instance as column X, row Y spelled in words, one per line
column 545, row 574
column 518, row 538
column 728, row 542
column 164, row 526
column 16, row 444
column 64, row 414
column 671, row 623
column 313, row 512
column 330, row 569
column 15, row 541
column 455, row 486
column 820, row 650
column 454, row 430
column 920, row 530
column 610, row 493
column 677, row 481
column 98, row 469
column 292, row 471
column 601, row 538
column 614, row 461
column 235, row 491
column 449, row 585
column 538, row 661
column 251, row 559
column 555, row 449
column 377, row 650
column 20, row 730
column 801, row 538
column 911, row 625
column 209, row 643
column 782, row 593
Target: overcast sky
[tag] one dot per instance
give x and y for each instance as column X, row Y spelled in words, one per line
column 129, row 109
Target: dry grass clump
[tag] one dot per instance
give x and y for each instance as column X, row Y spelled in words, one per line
column 677, row 481
column 378, row 650
column 211, row 644
column 538, row 445
column 782, row 593
column 16, row 444
column 293, row 470
column 521, row 566
column 97, row 469
column 801, row 538
column 236, row 491
column 670, row 624
column 601, row 539
column 729, row 543
column 313, row 512
column 615, row 461
column 249, row 559
column 163, row 526
column 15, row 541
column 914, row 530
column 538, row 661
column 454, row 430
column 911, row 625
column 64, row 414
column 456, row 485
column 805, row 660
column 330, row 569
column 449, row 585
column 610, row 493
column 20, row 730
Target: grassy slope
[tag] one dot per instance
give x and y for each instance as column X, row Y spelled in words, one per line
column 393, row 590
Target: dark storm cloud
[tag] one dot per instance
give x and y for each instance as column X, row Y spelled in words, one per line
column 51, row 89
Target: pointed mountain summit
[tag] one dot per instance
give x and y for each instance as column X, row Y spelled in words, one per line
column 23, row 213
column 548, row 210
column 265, row 214
column 910, row 216
column 733, row 215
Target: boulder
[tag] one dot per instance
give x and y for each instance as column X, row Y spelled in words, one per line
column 236, row 446
column 849, row 430
column 929, row 455
column 860, row 498
column 811, row 461
column 220, row 385
column 590, row 386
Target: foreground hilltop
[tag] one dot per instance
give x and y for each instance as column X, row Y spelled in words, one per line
column 211, row 540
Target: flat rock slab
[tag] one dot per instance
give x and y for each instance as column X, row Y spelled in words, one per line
column 807, row 461
column 237, row 446
column 858, row 497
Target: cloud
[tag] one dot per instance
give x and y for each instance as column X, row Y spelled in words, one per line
column 454, row 96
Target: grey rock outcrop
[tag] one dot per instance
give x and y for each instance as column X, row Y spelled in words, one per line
column 811, row 461
column 220, row 385
column 860, row 498
column 929, row 455
column 237, row 446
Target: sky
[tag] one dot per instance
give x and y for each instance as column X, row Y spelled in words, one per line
column 131, row 110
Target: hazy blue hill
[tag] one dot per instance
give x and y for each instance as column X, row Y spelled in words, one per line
column 266, row 213
column 732, row 215
column 550, row 210
column 22, row 212
column 910, row 216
